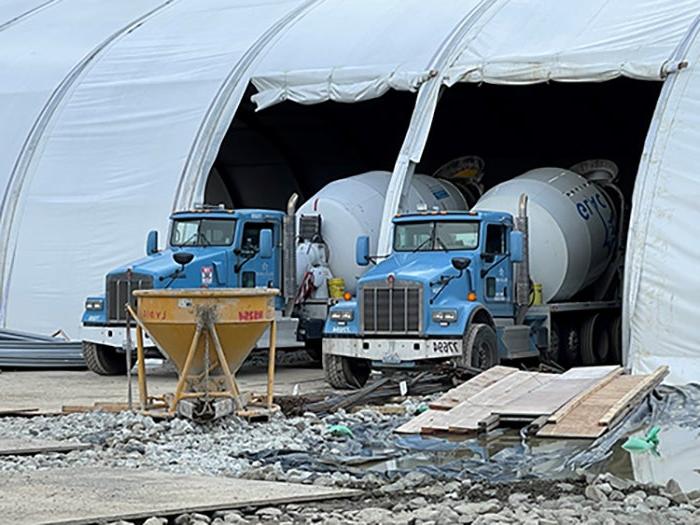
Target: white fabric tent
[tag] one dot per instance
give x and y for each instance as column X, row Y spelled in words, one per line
column 117, row 114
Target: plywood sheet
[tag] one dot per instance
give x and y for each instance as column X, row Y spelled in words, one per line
column 583, row 420
column 468, row 389
column 17, row 447
column 556, row 392
column 94, row 495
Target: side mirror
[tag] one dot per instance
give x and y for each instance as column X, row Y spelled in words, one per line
column 517, row 246
column 183, row 258
column 461, row 263
column 152, row 242
column 266, row 243
column 362, row 250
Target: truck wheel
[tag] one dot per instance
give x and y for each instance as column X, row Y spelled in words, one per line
column 345, row 373
column 595, row 344
column 103, row 359
column 615, row 335
column 572, row 348
column 480, row 346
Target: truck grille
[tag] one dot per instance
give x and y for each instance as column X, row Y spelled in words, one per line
column 391, row 309
column 119, row 291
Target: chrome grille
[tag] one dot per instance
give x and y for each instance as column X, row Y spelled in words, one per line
column 119, row 291
column 391, row 309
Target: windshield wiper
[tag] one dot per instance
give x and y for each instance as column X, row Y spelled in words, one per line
column 204, row 239
column 438, row 240
column 421, row 245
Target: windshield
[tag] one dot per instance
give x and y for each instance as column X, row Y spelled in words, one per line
column 436, row 236
column 202, row 232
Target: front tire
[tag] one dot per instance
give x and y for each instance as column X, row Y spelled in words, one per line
column 103, row 359
column 345, row 373
column 480, row 346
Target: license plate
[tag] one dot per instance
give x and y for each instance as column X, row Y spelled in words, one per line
column 447, row 347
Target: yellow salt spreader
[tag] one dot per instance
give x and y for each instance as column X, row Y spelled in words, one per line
column 207, row 334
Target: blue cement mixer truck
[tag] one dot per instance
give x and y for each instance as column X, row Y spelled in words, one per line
column 298, row 252
column 532, row 271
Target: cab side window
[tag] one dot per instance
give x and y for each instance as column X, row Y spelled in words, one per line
column 495, row 239
column 250, row 242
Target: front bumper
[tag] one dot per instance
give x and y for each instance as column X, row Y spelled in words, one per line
column 114, row 336
column 393, row 351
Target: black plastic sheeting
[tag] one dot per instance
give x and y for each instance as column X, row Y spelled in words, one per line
column 503, row 456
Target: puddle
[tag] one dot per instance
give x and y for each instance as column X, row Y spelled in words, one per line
column 505, row 456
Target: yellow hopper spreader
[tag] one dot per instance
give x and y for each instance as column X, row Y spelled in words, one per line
column 207, row 334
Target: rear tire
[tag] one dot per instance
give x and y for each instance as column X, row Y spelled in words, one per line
column 595, row 343
column 345, row 373
column 103, row 359
column 480, row 346
column 615, row 334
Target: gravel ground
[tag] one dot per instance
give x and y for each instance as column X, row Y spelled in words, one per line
column 309, row 450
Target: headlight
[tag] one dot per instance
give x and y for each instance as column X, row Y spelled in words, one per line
column 445, row 316
column 94, row 304
column 342, row 315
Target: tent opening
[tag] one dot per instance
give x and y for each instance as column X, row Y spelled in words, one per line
column 267, row 155
column 518, row 128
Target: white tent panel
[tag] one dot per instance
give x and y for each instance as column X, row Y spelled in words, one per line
column 662, row 280
column 13, row 11
column 112, row 158
column 351, row 51
column 596, row 40
column 37, row 53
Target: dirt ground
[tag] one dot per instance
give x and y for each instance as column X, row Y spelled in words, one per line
column 49, row 390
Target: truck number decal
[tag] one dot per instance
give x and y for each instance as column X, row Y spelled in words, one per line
column 250, row 315
column 446, row 347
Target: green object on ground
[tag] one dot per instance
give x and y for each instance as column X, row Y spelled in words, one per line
column 421, row 408
column 340, row 430
column 643, row 443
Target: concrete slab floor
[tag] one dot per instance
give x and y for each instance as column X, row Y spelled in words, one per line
column 50, row 390
column 92, row 495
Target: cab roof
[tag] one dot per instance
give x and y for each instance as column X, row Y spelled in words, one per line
column 441, row 215
column 222, row 213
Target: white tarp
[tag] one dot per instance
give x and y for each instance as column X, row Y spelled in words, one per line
column 595, row 40
column 662, row 279
column 108, row 163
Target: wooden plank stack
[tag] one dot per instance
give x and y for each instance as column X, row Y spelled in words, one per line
column 582, row 402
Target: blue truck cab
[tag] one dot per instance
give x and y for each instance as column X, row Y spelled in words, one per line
column 208, row 247
column 447, row 291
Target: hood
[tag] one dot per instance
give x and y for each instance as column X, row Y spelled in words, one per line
column 161, row 265
column 422, row 267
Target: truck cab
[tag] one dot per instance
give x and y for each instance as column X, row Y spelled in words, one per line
column 446, row 292
column 207, row 247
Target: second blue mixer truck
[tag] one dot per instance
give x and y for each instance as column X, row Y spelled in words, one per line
column 532, row 271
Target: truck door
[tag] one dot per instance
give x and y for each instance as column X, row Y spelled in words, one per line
column 498, row 280
column 254, row 271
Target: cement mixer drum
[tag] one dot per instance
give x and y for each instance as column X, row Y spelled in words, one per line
column 572, row 225
column 353, row 206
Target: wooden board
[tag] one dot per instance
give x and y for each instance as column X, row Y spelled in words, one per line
column 432, row 420
column 99, row 495
column 466, row 416
column 468, row 389
column 20, row 447
column 550, row 396
column 605, row 404
column 578, row 399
